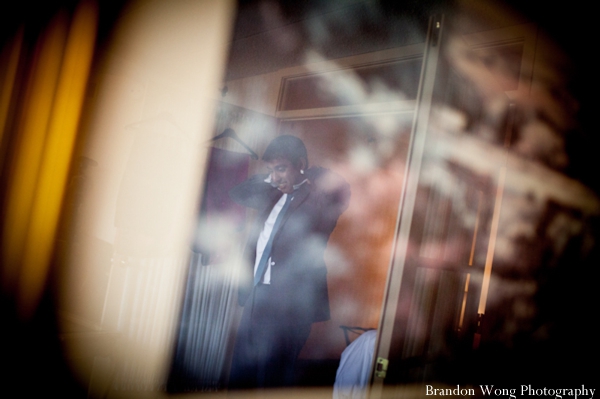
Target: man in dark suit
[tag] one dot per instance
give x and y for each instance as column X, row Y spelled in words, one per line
column 298, row 209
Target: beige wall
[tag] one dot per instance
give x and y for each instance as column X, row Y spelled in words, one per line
column 148, row 116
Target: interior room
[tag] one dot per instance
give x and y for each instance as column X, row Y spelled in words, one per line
column 463, row 129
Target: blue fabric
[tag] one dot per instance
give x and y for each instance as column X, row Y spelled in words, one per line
column 354, row 371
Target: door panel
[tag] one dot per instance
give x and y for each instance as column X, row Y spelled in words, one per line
column 443, row 258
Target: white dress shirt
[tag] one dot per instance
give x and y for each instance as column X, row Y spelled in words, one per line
column 263, row 238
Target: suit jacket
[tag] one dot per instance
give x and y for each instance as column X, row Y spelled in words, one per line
column 298, row 290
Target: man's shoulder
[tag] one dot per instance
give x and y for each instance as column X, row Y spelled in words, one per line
column 325, row 180
column 330, row 194
column 329, row 187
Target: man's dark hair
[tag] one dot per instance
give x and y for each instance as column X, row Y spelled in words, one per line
column 288, row 147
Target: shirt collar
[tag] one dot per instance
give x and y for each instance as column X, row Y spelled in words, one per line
column 297, row 186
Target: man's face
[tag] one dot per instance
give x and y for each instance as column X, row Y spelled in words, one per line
column 284, row 174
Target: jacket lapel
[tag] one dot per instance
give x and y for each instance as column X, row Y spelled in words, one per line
column 300, row 196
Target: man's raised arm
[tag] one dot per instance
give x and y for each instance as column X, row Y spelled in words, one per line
column 254, row 192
